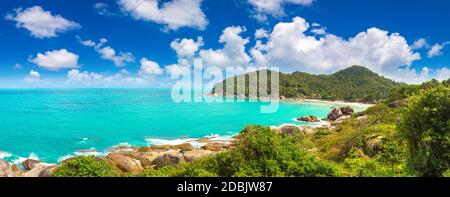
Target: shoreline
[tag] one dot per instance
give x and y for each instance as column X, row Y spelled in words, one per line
column 310, row 100
column 183, row 149
column 337, row 102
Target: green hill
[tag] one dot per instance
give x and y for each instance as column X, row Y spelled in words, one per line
column 355, row 83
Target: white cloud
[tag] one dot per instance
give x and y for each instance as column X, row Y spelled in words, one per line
column 261, row 33
column 174, row 14
column 319, row 31
column 274, row 8
column 436, row 49
column 56, row 60
column 108, row 53
column 149, row 67
column 420, row 43
column 315, row 25
column 41, row 23
column 411, row 76
column 443, row 74
column 17, row 66
column 177, row 69
column 291, row 49
column 186, row 48
column 32, row 77
column 77, row 78
column 102, row 9
column 232, row 54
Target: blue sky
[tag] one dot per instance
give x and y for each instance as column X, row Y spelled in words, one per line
column 139, row 43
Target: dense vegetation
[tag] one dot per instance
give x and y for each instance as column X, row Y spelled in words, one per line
column 355, row 83
column 261, row 153
column 85, row 166
column 411, row 138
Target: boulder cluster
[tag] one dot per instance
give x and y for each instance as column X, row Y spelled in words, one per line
column 336, row 113
column 29, row 168
column 131, row 160
column 309, row 119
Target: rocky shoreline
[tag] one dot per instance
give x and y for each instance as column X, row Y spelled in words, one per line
column 136, row 159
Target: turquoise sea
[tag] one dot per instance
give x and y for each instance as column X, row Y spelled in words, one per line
column 52, row 124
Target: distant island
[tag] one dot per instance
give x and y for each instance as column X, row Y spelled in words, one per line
column 355, row 84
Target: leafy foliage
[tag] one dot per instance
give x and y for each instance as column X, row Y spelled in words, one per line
column 84, row 166
column 261, row 153
column 426, row 124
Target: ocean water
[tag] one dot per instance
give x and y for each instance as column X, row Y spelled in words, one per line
column 53, row 124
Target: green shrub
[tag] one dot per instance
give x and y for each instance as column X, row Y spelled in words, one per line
column 366, row 167
column 262, row 152
column 426, row 124
column 85, row 166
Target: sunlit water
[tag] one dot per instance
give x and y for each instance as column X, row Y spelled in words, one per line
column 52, row 124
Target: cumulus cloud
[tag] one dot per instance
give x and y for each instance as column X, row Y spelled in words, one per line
column 261, row 33
column 56, row 60
column 233, row 52
column 319, row 31
column 173, row 14
column 436, row 49
column 186, row 48
column 290, row 48
column 33, row 76
column 149, row 67
column 443, row 74
column 77, row 78
column 41, row 23
column 420, row 43
column 274, row 8
column 108, row 53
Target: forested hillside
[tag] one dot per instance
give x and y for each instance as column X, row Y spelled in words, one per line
column 355, row 83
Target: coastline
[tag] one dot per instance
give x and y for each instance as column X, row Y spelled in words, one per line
column 336, row 103
column 182, row 149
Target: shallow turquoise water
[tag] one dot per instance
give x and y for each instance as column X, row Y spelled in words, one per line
column 53, row 123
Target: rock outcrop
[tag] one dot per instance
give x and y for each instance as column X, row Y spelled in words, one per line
column 336, row 113
column 214, row 147
column 47, row 171
column 5, row 169
column 309, row 119
column 191, row 156
column 347, row 110
column 395, row 104
column 29, row 164
column 125, row 162
column 168, row 159
column 186, row 147
column 37, row 169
